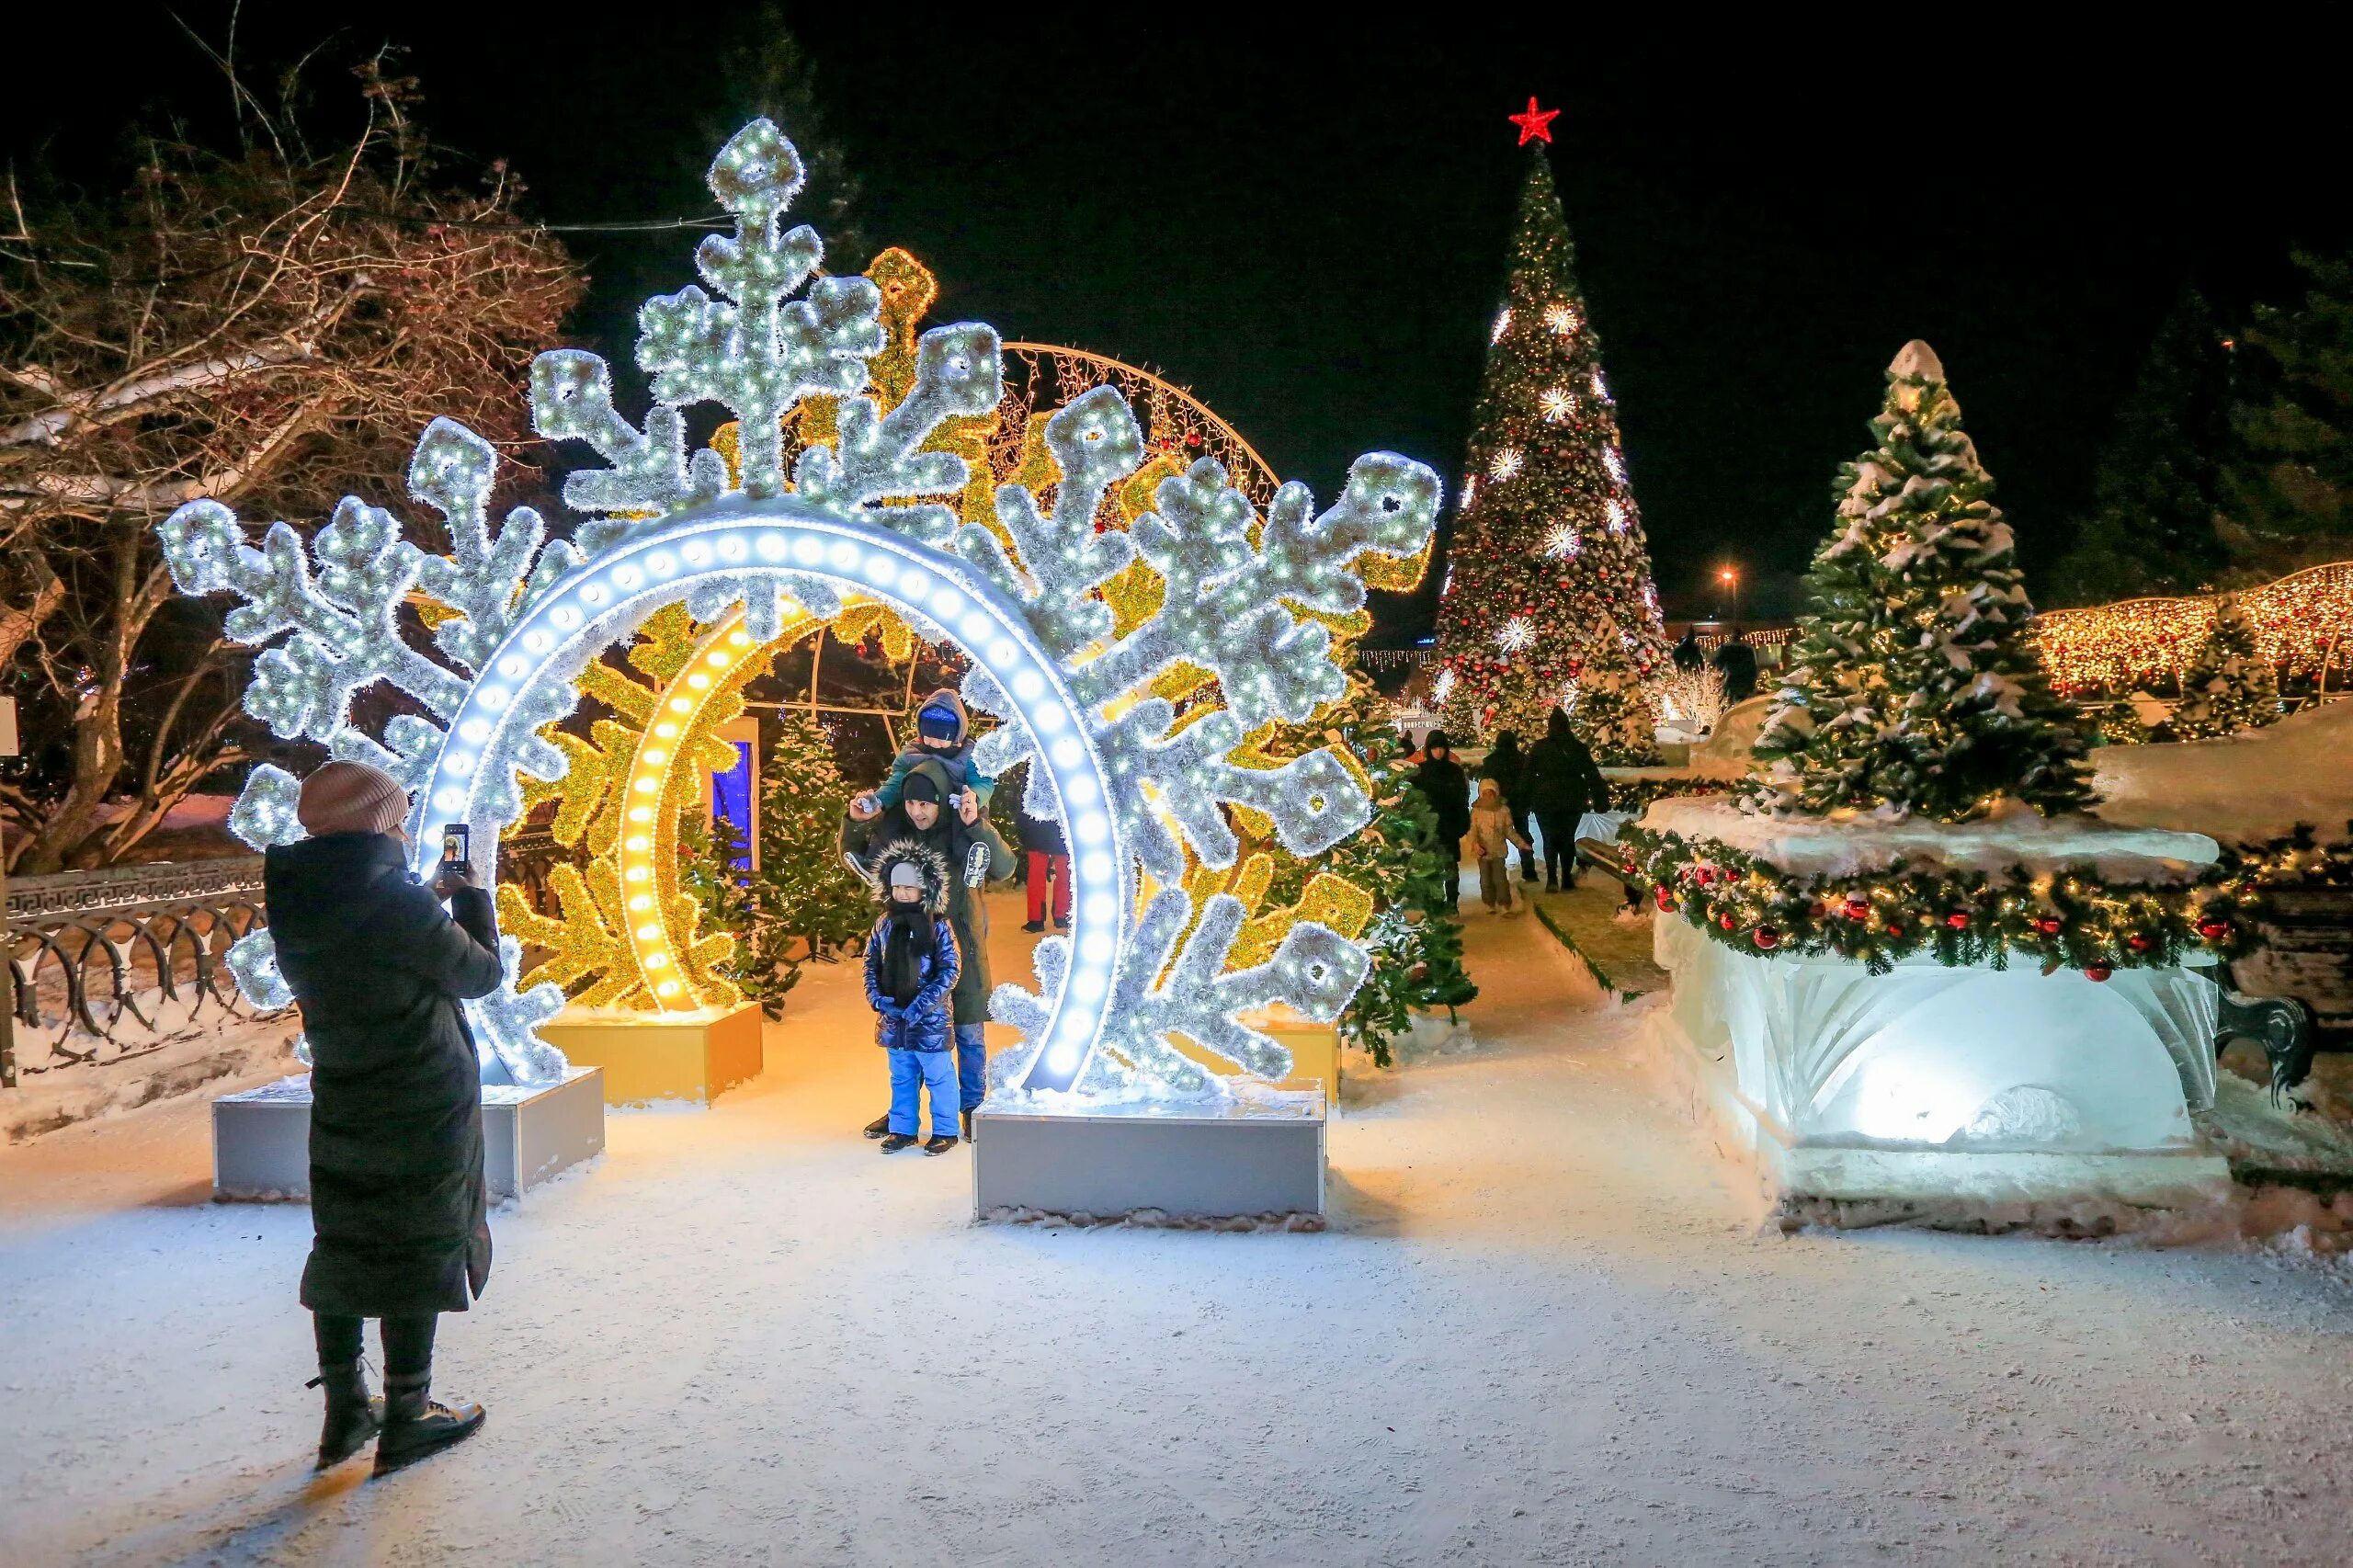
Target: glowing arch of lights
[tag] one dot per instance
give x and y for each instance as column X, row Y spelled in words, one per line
column 597, row 603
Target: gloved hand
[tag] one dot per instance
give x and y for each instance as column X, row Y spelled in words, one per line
column 453, row 875
column 864, row 806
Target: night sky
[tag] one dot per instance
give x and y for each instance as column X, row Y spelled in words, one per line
column 1307, row 230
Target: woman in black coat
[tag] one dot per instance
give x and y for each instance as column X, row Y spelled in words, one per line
column 1562, row 784
column 1507, row 765
column 399, row 1211
column 1448, row 788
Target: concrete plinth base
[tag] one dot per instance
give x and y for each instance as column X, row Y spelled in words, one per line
column 261, row 1138
column 1264, row 1156
column 661, row 1057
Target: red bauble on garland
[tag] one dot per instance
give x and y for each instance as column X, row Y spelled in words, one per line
column 1958, row 921
column 2214, row 930
column 2096, row 972
column 1766, row 938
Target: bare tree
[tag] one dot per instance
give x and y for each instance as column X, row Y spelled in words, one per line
column 267, row 327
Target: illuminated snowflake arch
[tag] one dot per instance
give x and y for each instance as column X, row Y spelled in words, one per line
column 1135, row 786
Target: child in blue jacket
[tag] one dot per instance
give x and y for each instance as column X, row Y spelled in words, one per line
column 910, row 970
column 944, row 735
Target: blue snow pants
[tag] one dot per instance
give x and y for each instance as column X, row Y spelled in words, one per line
column 972, row 1063
column 930, row 1070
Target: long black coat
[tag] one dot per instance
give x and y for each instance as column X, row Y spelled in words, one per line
column 1447, row 788
column 398, row 1208
column 1561, row 778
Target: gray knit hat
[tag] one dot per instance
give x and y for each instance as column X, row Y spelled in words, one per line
column 905, row 875
column 350, row 797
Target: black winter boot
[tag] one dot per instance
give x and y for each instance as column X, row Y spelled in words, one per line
column 417, row 1426
column 968, row 1126
column 940, row 1145
column 352, row 1416
column 896, row 1142
column 878, row 1126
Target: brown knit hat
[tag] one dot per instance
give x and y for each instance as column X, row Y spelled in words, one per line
column 350, row 797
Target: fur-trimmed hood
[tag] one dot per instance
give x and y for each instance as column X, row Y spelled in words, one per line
column 929, row 864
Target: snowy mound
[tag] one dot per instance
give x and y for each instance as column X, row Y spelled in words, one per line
column 2016, row 835
column 2247, row 786
column 1728, row 753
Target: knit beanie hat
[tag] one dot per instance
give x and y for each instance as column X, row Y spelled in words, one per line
column 905, row 875
column 919, row 787
column 350, row 797
column 939, row 722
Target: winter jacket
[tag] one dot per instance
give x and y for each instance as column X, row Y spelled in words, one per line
column 863, row 842
column 921, row 1023
column 1561, row 780
column 1447, row 788
column 1040, row 834
column 398, row 1209
column 1507, row 765
column 955, row 762
column 1738, row 661
column 1492, row 833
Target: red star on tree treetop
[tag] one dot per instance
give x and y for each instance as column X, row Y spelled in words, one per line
column 1535, row 124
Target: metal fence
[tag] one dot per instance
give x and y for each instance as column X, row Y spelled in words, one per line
column 107, row 966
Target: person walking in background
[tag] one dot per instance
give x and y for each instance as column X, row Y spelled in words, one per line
column 1447, row 788
column 1491, row 836
column 1507, row 765
column 399, row 1211
column 910, row 970
column 1685, row 652
column 1738, row 661
column 1048, row 857
column 1563, row 785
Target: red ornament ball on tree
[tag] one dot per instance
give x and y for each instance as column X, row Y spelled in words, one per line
column 2213, row 930
column 2096, row 972
column 1958, row 921
column 1766, row 938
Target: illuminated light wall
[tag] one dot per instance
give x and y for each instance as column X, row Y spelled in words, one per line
column 2304, row 624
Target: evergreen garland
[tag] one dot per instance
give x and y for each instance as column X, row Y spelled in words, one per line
column 1915, row 688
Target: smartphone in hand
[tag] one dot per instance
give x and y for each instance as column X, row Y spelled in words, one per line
column 457, row 842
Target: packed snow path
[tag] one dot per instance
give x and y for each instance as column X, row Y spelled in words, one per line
column 1543, row 1330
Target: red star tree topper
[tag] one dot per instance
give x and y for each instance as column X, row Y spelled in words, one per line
column 1535, row 124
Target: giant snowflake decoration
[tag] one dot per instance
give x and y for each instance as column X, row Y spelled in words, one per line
column 1138, row 785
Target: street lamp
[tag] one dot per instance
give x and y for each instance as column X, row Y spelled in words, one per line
column 1730, row 577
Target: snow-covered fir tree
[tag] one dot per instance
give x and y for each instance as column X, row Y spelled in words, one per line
column 2229, row 686
column 1547, row 544
column 1612, row 708
column 1915, row 688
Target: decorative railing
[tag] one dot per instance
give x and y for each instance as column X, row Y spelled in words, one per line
column 109, row 966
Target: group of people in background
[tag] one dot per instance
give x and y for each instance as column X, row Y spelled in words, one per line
column 1736, row 659
column 1552, row 783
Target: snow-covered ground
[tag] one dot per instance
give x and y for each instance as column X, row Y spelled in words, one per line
column 1542, row 1330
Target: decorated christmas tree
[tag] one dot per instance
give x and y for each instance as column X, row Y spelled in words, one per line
column 1612, row 708
column 1547, row 546
column 2229, row 686
column 803, row 897
column 1915, row 689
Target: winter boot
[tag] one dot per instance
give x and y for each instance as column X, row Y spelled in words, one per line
column 352, row 1416
column 417, row 1426
column 878, row 1126
column 896, row 1142
column 968, row 1126
column 1033, row 925
column 940, row 1145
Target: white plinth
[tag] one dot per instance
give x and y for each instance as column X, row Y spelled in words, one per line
column 1942, row 1083
column 1260, row 1156
column 261, row 1138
